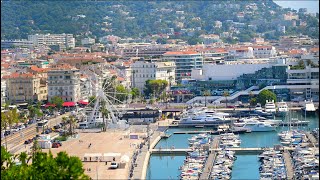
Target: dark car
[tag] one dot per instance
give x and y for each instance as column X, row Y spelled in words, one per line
column 57, row 126
column 230, row 106
column 7, row 133
column 28, row 141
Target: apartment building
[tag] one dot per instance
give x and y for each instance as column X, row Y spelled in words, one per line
column 16, row 43
column 24, row 87
column 185, row 61
column 144, row 70
column 64, row 81
column 66, row 40
column 3, row 91
column 145, row 50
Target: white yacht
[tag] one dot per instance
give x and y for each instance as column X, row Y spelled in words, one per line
column 282, row 107
column 204, row 119
column 258, row 119
column 270, row 106
column 258, row 107
column 255, row 126
column 309, row 107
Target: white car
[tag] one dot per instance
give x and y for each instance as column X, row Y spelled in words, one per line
column 114, row 165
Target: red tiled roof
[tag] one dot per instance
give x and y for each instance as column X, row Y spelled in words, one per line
column 19, row 75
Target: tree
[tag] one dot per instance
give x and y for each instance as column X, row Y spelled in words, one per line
column 43, row 166
column 155, row 87
column 122, row 93
column 58, row 101
column 4, row 125
column 205, row 94
column 105, row 113
column 266, row 95
column 226, row 94
column 135, row 93
column 13, row 117
column 72, row 121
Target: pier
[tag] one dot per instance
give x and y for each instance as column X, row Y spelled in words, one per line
column 312, row 139
column 211, row 159
column 288, row 164
column 192, row 132
column 240, row 150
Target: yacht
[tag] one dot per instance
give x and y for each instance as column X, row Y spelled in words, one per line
column 255, row 126
column 282, row 106
column 260, row 119
column 270, row 106
column 207, row 119
column 309, row 107
column 258, row 108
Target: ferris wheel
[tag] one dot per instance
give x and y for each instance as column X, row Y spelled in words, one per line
column 105, row 95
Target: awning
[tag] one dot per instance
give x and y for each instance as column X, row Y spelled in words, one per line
column 84, row 102
column 49, row 105
column 68, row 104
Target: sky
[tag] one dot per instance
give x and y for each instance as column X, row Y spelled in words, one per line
column 311, row 5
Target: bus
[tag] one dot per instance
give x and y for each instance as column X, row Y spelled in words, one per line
column 42, row 123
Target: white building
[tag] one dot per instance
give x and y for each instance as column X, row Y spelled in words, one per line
column 143, row 71
column 16, row 43
column 64, row 81
column 264, row 51
column 86, row 41
column 66, row 40
column 210, row 38
column 3, row 91
column 225, row 71
column 185, row 61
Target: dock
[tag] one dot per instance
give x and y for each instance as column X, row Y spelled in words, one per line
column 211, row 159
column 181, row 151
column 192, row 132
column 304, row 123
column 312, row 139
column 288, row 164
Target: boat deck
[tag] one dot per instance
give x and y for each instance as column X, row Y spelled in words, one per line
column 211, row 159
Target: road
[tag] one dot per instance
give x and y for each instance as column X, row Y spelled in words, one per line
column 19, row 137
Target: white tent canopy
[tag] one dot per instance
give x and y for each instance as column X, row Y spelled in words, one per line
column 92, row 155
column 111, row 154
column 125, row 159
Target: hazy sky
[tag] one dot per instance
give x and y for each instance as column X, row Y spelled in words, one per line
column 311, row 5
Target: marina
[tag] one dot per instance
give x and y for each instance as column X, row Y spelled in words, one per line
column 252, row 144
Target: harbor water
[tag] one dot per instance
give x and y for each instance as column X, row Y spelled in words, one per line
column 246, row 166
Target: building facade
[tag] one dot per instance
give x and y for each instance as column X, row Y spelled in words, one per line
column 24, row 87
column 64, row 81
column 143, row 71
column 185, row 61
column 66, row 40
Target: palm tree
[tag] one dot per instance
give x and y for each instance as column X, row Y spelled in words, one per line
column 206, row 93
column 64, row 121
column 226, row 94
column 105, row 113
column 72, row 122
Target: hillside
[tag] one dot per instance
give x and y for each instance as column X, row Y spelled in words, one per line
column 140, row 18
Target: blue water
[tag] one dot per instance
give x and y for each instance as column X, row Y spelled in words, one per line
column 245, row 167
column 164, row 167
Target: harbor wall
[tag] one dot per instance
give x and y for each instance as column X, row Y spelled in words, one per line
column 145, row 165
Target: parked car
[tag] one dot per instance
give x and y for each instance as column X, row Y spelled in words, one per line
column 56, row 145
column 28, row 141
column 7, row 133
column 114, row 165
column 230, row 106
column 57, row 126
